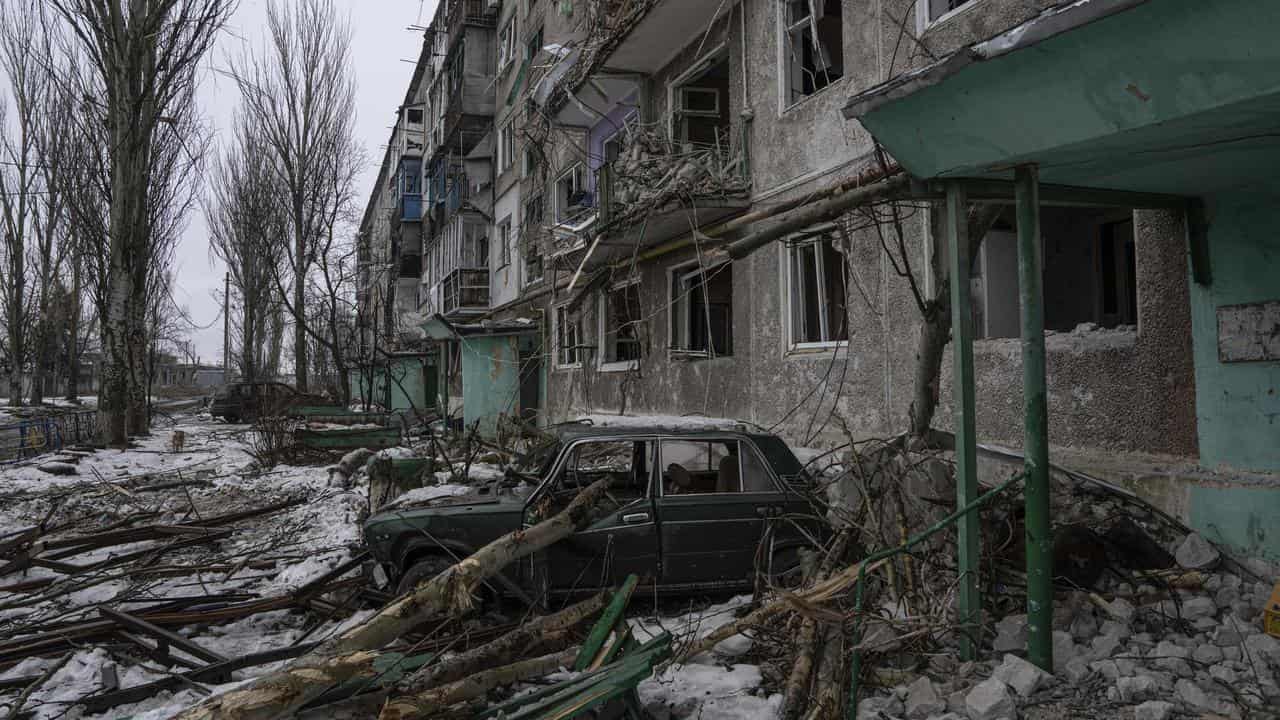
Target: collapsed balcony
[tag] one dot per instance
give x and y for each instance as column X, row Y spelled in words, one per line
column 650, row 190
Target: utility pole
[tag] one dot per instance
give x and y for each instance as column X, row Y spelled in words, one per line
column 226, row 329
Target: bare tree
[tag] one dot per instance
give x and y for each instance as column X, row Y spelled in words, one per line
column 246, row 226
column 22, row 180
column 300, row 91
column 143, row 57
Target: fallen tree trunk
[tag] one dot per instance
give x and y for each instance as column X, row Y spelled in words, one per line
column 431, row 702
column 549, row 633
column 351, row 654
column 821, row 592
column 340, row 474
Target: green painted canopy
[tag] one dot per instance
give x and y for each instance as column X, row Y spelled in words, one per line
column 1162, row 96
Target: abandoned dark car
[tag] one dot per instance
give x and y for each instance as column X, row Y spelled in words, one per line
column 686, row 511
column 248, row 401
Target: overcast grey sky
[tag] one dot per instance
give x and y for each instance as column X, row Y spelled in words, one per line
column 380, row 41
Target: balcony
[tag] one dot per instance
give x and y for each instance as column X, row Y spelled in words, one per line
column 411, row 207
column 644, row 197
column 465, row 291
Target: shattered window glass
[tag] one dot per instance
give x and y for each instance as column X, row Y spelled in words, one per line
column 818, row 293
column 813, row 47
column 623, row 319
column 702, row 311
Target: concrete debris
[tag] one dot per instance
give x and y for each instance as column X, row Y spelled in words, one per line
column 990, row 700
column 1011, row 634
column 1020, row 675
column 1196, row 553
column 1132, row 689
column 1075, row 671
column 1199, row 607
column 1153, row 710
column 923, row 700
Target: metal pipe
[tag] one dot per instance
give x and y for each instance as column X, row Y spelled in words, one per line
column 1039, row 534
column 962, row 392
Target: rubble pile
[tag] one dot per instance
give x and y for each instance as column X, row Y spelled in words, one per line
column 651, row 172
column 1151, row 620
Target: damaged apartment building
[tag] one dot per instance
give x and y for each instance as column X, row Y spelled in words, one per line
column 644, row 207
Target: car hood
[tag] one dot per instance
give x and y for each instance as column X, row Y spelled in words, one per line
column 446, row 498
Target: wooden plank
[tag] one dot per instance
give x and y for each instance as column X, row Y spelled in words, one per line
column 107, row 700
column 600, row 631
column 165, row 636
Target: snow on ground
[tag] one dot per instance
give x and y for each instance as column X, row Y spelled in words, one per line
column 711, row 686
column 305, row 541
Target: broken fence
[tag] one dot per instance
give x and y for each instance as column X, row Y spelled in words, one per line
column 32, row 437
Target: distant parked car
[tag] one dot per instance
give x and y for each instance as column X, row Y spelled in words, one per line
column 688, row 510
column 248, row 401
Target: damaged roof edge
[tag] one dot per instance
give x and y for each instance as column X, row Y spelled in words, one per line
column 1048, row 24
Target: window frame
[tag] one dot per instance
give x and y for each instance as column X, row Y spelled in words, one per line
column 785, row 29
column 924, row 19
column 602, row 364
column 660, row 466
column 789, row 290
column 580, row 170
column 504, row 242
column 506, row 146
column 507, row 43
column 678, row 303
column 559, row 314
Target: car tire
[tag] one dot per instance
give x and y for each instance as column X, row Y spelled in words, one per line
column 423, row 568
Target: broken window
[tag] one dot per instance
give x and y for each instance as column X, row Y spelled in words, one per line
column 475, row 246
column 531, row 224
column 702, row 310
column 695, row 467
column 534, row 46
column 625, row 463
column 506, row 147
column 813, row 47
column 933, row 10
column 817, row 282
column 1119, row 274
column 700, row 102
column 621, row 321
column 572, row 197
column 504, row 243
column 507, row 43
column 1089, row 273
column 568, row 334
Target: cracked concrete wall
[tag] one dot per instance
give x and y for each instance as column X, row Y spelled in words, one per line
column 1115, row 391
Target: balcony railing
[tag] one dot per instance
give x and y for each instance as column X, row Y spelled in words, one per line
column 465, row 290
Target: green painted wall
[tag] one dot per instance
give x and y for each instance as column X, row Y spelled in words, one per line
column 406, row 378
column 490, row 380
column 1238, row 404
column 1244, row 518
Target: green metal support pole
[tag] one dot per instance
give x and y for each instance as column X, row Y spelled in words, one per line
column 962, row 392
column 1036, row 419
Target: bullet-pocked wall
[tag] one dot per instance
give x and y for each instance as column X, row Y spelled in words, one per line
column 1126, row 385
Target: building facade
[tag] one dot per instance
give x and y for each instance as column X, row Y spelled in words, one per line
column 628, row 143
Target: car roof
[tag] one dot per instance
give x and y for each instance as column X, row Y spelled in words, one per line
column 774, row 449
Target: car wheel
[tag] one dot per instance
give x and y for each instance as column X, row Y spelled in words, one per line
column 785, row 568
column 424, row 568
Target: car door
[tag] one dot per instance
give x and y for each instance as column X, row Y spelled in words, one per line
column 715, row 500
column 623, row 538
